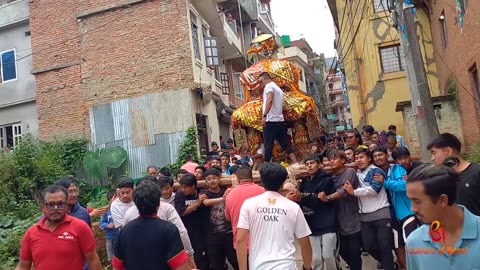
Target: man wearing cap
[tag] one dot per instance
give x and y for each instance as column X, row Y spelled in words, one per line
column 214, row 151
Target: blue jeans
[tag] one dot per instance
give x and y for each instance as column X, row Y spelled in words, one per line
column 110, row 243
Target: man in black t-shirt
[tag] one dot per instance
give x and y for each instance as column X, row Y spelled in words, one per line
column 149, row 243
column 220, row 234
column 468, row 189
column 189, row 205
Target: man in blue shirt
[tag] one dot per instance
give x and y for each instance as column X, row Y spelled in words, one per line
column 450, row 238
column 74, row 208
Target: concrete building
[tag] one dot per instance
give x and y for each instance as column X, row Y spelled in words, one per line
column 457, row 54
column 18, row 114
column 138, row 73
column 338, row 109
column 373, row 63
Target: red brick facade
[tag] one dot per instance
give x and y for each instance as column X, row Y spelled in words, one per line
column 462, row 52
column 87, row 53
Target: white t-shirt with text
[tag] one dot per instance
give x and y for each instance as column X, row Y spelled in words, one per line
column 274, row 222
column 276, row 111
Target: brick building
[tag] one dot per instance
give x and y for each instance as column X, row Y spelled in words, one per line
column 457, row 54
column 138, row 73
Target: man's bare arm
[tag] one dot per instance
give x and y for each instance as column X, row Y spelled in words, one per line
column 24, row 265
column 242, row 238
column 93, row 260
column 306, row 250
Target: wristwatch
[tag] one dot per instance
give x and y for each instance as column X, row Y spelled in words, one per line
column 329, row 197
column 264, row 116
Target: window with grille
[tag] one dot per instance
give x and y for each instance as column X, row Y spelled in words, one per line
column 474, row 80
column 211, row 52
column 8, row 66
column 10, row 135
column 380, row 5
column 225, row 84
column 443, row 23
column 391, row 58
column 194, row 26
column 239, row 93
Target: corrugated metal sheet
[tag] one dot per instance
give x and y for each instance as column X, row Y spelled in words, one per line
column 175, row 140
column 172, row 111
column 103, row 124
column 158, row 154
column 141, row 121
column 137, row 159
column 121, row 121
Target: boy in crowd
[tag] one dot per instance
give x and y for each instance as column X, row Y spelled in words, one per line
column 216, row 161
column 220, row 235
column 433, row 191
column 347, row 209
column 404, row 221
column 124, row 201
column 468, row 189
column 246, row 159
column 165, row 171
column 225, row 163
column 320, row 215
column 166, row 189
column 271, row 218
column 401, row 155
column 214, row 151
column 106, row 224
column 375, row 218
column 199, row 172
column 189, row 205
column 180, row 174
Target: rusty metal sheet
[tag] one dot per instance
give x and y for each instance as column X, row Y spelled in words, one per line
column 141, row 121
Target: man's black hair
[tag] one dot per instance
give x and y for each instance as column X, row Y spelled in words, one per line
column 226, row 155
column 230, row 140
column 188, row 180
column 391, row 135
column 111, row 193
column 446, row 140
column 147, row 198
column 362, row 151
column 152, row 166
column 125, row 182
column 166, row 179
column 244, row 172
column 368, row 128
column 67, row 181
column 378, row 149
column 240, row 163
column 349, row 148
column 201, row 168
column 163, row 184
column 165, row 171
column 437, row 180
column 322, row 139
column 54, row 189
column 145, row 178
column 392, row 127
column 265, row 75
column 313, row 158
column 234, row 168
column 216, row 167
column 399, row 152
column 188, row 157
column 329, row 140
column 217, row 158
column 212, row 171
column 182, row 171
column 273, row 175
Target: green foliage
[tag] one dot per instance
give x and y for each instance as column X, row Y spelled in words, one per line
column 97, row 163
column 11, row 233
column 452, row 89
column 188, row 146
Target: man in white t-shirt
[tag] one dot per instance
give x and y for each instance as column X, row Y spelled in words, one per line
column 124, row 201
column 274, row 127
column 273, row 222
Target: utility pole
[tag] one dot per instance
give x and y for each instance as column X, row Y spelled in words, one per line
column 424, row 115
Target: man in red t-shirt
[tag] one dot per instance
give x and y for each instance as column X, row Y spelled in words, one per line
column 58, row 241
column 234, row 199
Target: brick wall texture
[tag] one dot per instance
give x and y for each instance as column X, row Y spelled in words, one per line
column 461, row 53
column 111, row 55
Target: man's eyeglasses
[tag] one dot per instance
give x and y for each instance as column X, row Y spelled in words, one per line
column 350, row 137
column 73, row 191
column 55, row 205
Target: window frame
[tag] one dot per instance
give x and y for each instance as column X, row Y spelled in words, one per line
column 195, row 40
column 380, row 8
column 239, row 93
column 398, row 55
column 475, row 83
column 15, row 64
column 443, row 26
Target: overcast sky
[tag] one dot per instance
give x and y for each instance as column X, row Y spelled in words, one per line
column 310, row 19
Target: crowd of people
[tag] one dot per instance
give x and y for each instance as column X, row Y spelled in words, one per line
column 362, row 193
